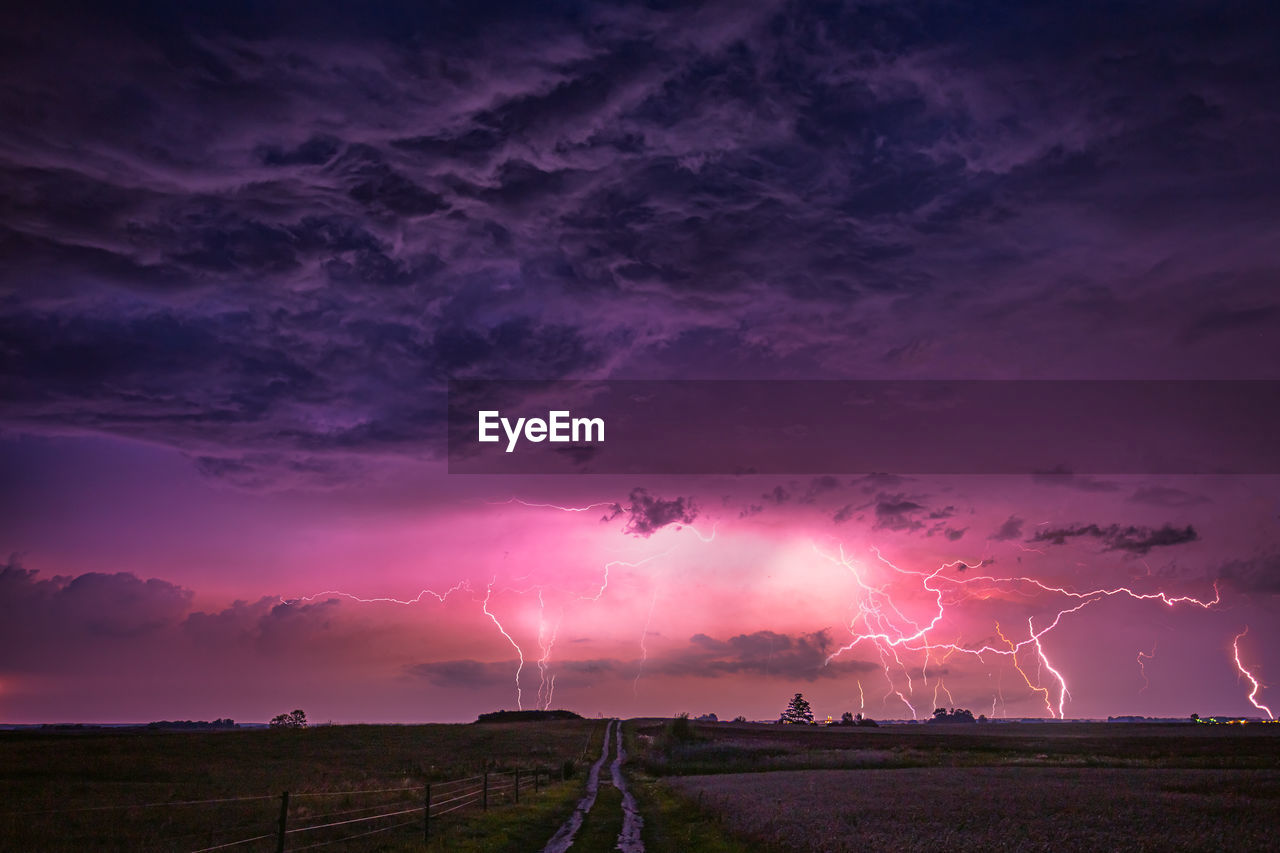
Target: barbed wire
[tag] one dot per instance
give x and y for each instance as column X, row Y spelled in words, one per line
column 234, row 843
column 358, row 835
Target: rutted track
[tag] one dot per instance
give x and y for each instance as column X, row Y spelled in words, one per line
column 629, row 840
column 563, row 839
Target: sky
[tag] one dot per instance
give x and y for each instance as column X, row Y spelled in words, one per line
column 246, row 246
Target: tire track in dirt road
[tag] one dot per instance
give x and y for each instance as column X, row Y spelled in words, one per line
column 563, row 839
column 629, row 840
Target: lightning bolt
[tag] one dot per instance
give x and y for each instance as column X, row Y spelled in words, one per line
column 1253, row 695
column 546, row 688
column 644, row 650
column 438, row 596
column 520, row 652
column 1143, row 657
column 586, row 508
column 878, row 617
column 886, row 627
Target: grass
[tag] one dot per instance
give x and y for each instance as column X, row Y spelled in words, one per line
column 1023, row 786
column 63, row 791
column 1060, row 787
column 516, row 829
column 997, row 808
column 745, row 748
column 679, row 824
column 600, row 828
column 674, row 823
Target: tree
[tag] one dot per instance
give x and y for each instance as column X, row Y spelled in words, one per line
column 846, row 719
column 798, row 711
column 956, row 715
column 297, row 719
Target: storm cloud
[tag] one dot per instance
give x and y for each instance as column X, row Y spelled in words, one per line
column 1130, row 538
column 646, row 514
column 268, row 240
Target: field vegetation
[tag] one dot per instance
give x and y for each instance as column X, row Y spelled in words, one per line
column 108, row 789
column 1053, row 786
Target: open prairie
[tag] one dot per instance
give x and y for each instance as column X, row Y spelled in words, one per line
column 104, row 789
column 1059, row 786
column 997, row 808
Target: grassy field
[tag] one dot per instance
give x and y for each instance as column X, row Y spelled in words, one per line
column 997, row 808
column 1061, row 787
column 1006, row 786
column 738, row 748
column 95, row 789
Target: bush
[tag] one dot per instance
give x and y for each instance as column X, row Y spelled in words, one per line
column 680, row 729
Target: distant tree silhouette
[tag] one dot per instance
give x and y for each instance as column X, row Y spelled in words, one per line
column 297, row 719
column 956, row 715
column 846, row 719
column 798, row 711
column 739, row 719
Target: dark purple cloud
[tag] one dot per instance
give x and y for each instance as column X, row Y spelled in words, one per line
column 1166, row 496
column 1259, row 574
column 1011, row 529
column 1131, row 538
column 267, row 238
column 647, row 514
column 762, row 653
column 1064, row 478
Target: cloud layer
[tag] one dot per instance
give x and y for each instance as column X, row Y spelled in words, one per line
column 268, row 239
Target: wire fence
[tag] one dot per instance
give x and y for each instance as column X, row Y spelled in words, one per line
column 295, row 831
column 301, row 821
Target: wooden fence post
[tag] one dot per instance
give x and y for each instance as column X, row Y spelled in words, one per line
column 426, row 815
column 284, row 820
column 517, row 786
column 485, row 804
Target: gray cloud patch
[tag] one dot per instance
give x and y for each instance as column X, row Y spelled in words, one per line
column 762, row 653
column 1130, row 538
column 1165, row 496
column 1064, row 478
column 647, row 514
column 1259, row 574
column 1011, row 529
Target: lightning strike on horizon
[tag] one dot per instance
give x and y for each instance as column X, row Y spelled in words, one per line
column 1143, row 657
column 644, row 649
column 1235, row 645
column 1063, row 693
column 879, row 619
column 1013, row 649
column 546, row 689
column 514, row 644
column 888, row 629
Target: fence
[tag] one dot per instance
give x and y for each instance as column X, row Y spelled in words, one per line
column 299, row 825
column 438, row 799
